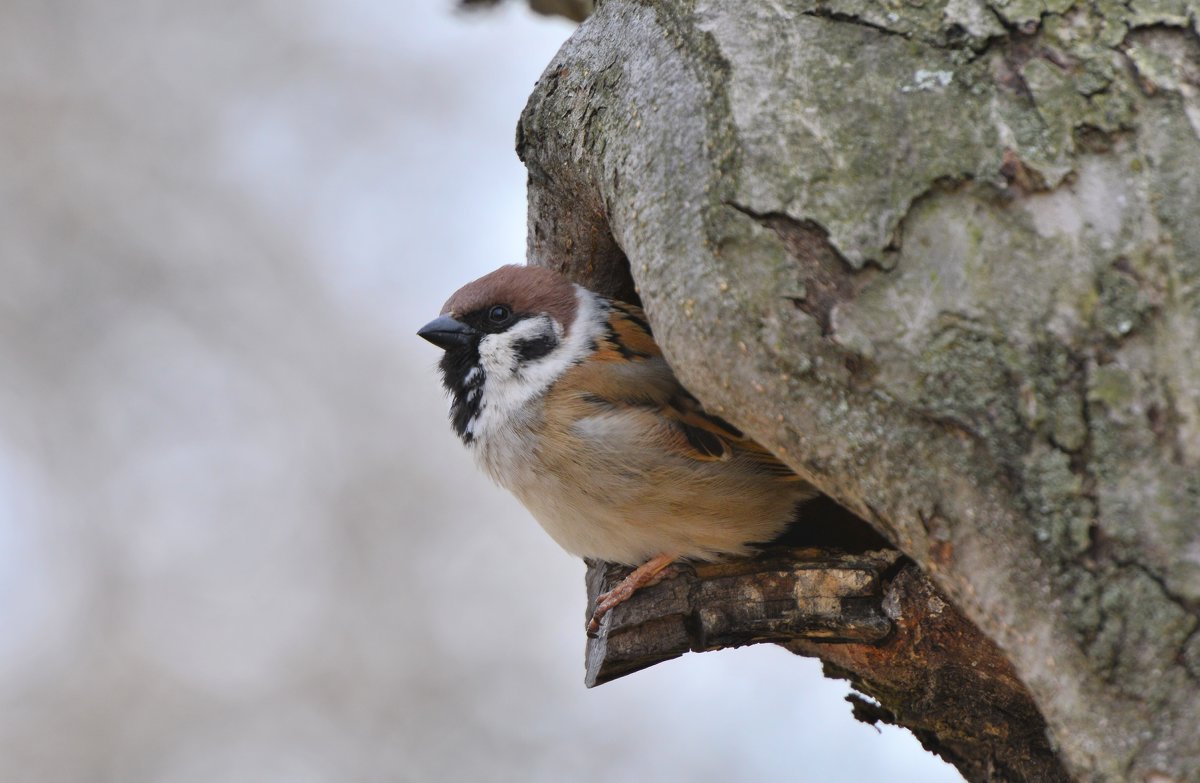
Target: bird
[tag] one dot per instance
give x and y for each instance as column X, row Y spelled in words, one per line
column 564, row 398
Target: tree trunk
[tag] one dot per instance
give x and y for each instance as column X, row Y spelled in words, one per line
column 944, row 260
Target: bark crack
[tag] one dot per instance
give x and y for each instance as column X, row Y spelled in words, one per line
column 1172, row 596
column 827, row 277
column 829, row 15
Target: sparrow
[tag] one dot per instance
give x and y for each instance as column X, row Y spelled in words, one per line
column 564, row 398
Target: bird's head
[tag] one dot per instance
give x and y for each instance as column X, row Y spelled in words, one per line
column 507, row 336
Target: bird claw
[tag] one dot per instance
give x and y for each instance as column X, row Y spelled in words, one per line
column 648, row 573
column 605, row 603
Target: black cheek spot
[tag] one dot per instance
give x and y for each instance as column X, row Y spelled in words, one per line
column 536, row 348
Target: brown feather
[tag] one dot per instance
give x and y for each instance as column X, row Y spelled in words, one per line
column 628, row 369
column 525, row 289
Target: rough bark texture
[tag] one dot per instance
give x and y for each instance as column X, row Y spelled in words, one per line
column 944, row 259
column 779, row 596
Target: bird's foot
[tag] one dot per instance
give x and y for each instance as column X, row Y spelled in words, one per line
column 645, row 574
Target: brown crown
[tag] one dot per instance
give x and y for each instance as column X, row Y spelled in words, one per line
column 525, row 289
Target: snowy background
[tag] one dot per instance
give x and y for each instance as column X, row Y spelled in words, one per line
column 238, row 541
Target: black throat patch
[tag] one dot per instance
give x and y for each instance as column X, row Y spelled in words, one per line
column 463, row 378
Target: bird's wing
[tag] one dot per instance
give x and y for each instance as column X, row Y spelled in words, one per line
column 627, row 378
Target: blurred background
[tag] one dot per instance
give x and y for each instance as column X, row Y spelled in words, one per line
column 238, row 540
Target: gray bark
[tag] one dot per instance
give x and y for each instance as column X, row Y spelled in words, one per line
column 944, row 260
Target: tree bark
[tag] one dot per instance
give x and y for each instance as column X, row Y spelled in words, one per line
column 944, row 260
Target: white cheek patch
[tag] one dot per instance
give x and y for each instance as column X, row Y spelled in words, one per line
column 510, row 383
column 498, row 353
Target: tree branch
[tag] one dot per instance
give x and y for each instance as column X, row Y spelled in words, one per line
column 782, row 595
column 873, row 618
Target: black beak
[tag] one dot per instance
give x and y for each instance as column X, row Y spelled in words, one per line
column 446, row 332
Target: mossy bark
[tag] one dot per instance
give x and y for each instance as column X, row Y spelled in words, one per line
column 944, row 260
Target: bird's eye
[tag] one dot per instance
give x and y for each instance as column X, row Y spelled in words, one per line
column 499, row 314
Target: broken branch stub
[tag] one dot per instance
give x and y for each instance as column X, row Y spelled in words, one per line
column 781, row 595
